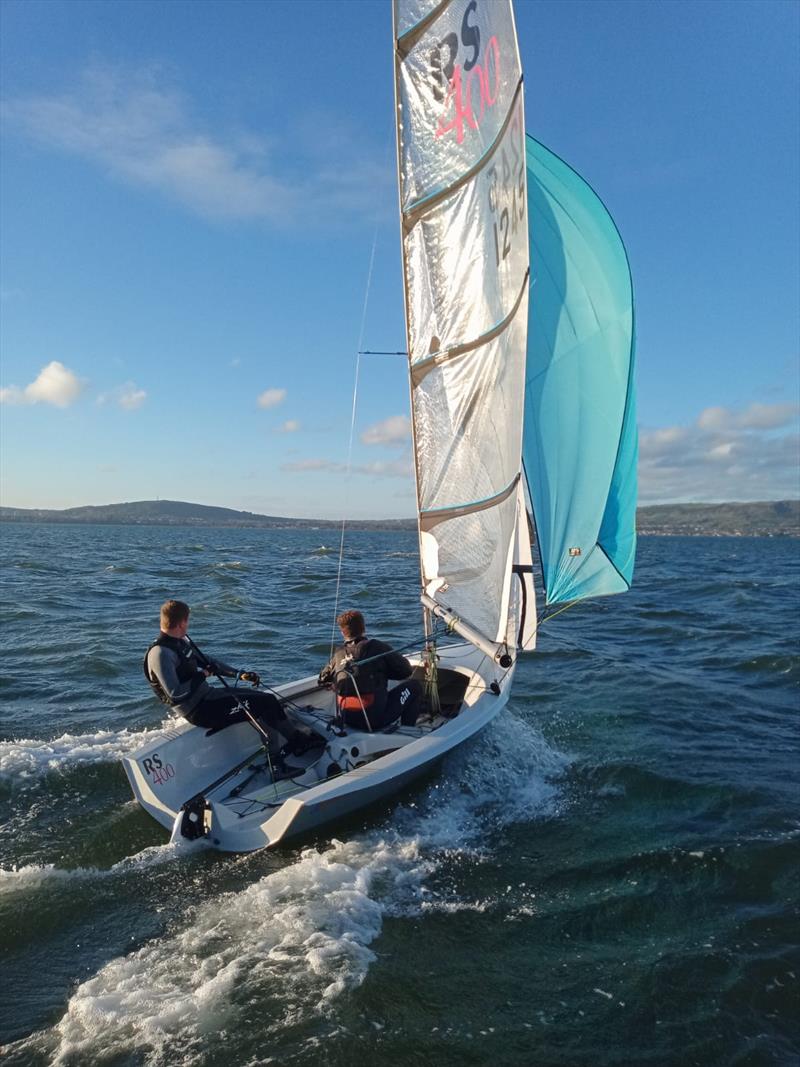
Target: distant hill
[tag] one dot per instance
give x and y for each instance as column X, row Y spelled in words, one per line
column 780, row 518
column 771, row 518
column 180, row 513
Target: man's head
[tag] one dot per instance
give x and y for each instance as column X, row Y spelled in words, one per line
column 174, row 617
column 351, row 623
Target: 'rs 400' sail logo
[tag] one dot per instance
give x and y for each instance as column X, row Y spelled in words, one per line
column 156, row 770
column 465, row 89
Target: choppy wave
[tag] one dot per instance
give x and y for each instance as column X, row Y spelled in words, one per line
column 632, row 872
column 33, row 757
column 770, row 664
column 45, row 875
column 34, row 875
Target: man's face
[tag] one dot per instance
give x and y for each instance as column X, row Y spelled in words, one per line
column 183, row 627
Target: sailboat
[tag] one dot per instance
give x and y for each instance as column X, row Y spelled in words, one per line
column 519, row 318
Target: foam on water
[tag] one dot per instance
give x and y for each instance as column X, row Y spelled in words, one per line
column 35, row 876
column 303, row 932
column 32, row 876
column 300, row 936
column 505, row 775
column 31, row 757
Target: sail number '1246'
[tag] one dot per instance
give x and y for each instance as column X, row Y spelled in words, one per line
column 466, row 90
column 506, row 177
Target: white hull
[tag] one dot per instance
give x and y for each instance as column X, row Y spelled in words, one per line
column 241, row 807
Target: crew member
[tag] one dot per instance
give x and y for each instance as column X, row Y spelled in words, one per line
column 359, row 672
column 177, row 672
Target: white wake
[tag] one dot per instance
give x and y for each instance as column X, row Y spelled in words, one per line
column 301, row 936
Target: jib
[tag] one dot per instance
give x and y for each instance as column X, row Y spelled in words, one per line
column 152, row 764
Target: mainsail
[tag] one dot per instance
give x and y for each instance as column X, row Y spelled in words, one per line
column 580, row 446
column 463, row 200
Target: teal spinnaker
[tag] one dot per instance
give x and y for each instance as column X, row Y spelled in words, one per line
column 580, row 439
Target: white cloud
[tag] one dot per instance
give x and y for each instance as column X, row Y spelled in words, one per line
column 290, row 426
column 140, row 132
column 303, row 466
column 128, row 396
column 755, row 417
column 396, row 468
column 270, row 398
column 395, row 430
column 668, row 436
column 131, row 397
column 714, row 419
column 722, row 451
column 143, row 132
column 724, row 455
column 55, row 384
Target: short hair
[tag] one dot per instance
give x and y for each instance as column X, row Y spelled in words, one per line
column 351, row 623
column 173, row 612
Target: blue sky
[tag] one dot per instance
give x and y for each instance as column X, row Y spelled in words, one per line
column 194, row 196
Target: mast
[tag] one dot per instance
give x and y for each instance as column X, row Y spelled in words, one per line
column 398, row 127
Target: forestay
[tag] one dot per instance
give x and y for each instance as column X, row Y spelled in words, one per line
column 461, row 155
column 580, row 447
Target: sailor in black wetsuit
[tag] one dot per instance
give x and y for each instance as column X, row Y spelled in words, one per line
column 359, row 672
column 177, row 672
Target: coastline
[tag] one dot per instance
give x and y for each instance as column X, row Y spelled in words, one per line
column 780, row 518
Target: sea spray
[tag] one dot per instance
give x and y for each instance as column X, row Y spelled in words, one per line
column 27, row 758
column 18, row 879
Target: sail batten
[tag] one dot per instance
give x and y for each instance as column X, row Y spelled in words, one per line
column 414, row 212
column 421, row 368
column 429, row 518
column 410, row 35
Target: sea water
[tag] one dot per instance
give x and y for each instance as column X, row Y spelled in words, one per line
column 607, row 875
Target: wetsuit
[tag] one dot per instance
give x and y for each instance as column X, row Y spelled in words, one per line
column 177, row 676
column 362, row 695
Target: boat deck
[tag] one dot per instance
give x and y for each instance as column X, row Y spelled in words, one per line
column 265, row 784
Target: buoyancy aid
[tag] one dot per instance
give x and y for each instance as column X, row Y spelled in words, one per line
column 188, row 670
column 358, row 684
